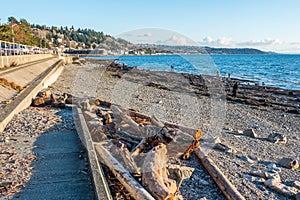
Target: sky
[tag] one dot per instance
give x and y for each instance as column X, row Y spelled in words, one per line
column 271, row 25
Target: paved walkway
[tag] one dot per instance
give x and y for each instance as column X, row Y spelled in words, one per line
column 60, row 171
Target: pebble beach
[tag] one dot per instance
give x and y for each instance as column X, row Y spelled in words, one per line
column 171, row 97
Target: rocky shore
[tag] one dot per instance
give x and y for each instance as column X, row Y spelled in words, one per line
column 207, row 103
column 247, row 136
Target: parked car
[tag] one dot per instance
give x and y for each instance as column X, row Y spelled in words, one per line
column 24, row 49
column 4, row 49
column 15, row 49
column 34, row 50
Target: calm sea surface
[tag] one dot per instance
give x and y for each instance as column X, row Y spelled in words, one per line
column 273, row 70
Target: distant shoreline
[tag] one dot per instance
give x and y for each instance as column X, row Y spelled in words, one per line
column 265, row 70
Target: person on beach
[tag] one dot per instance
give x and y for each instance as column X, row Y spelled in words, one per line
column 172, row 68
column 235, row 88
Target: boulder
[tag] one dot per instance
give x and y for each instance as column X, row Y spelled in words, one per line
column 250, row 133
column 289, row 163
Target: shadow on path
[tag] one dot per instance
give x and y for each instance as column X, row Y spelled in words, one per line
column 59, row 171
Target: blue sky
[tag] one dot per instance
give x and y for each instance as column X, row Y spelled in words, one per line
column 264, row 24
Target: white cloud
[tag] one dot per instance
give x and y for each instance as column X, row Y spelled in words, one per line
column 220, row 42
column 177, row 40
column 224, row 41
column 207, row 40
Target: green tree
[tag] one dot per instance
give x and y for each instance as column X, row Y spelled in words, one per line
column 12, row 20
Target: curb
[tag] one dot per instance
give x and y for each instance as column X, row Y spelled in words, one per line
column 101, row 188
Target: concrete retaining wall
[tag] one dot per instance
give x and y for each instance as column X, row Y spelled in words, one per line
column 7, row 61
column 25, row 98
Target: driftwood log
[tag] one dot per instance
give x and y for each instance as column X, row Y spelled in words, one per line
column 136, row 189
column 119, row 151
column 155, row 174
column 180, row 140
column 223, row 183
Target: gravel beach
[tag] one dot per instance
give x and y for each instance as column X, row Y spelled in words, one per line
column 171, row 97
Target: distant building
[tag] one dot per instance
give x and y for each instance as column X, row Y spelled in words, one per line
column 72, row 44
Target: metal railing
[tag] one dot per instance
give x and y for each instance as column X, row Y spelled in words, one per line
column 13, row 49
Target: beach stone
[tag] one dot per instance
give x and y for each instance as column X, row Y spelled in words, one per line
column 254, row 179
column 228, row 129
column 177, row 171
column 277, row 138
column 246, row 159
column 273, row 166
column 238, row 132
column 297, row 197
column 289, row 163
column 255, row 158
column 224, row 148
column 250, row 133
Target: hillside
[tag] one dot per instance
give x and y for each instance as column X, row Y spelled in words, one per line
column 69, row 39
column 21, row 31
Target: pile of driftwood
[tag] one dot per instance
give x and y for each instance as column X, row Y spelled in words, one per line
column 132, row 143
column 136, row 147
column 45, row 98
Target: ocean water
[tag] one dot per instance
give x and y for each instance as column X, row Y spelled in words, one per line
column 278, row 70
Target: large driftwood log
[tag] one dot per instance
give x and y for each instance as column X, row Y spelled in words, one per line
column 224, row 184
column 135, row 189
column 125, row 123
column 155, row 174
column 119, row 151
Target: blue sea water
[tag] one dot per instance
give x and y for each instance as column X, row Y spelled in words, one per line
column 279, row 70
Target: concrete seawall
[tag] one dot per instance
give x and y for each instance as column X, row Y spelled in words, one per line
column 7, row 61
